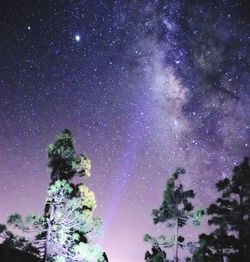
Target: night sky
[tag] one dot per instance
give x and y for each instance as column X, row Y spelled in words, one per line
column 145, row 87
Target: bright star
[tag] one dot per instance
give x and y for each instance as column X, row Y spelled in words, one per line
column 77, row 38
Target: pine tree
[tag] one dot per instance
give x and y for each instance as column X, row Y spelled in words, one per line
column 175, row 211
column 212, row 247
column 64, row 232
column 231, row 216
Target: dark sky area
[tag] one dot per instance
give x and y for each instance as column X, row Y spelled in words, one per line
column 145, row 87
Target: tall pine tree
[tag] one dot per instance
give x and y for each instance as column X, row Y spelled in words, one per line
column 175, row 211
column 64, row 232
column 231, row 216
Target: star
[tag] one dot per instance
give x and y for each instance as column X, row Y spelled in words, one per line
column 77, row 38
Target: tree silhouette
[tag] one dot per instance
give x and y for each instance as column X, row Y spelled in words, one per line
column 105, row 257
column 174, row 212
column 157, row 255
column 231, row 216
column 212, row 247
column 16, row 249
column 64, row 232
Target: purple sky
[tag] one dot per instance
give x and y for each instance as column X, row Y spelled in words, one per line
column 148, row 86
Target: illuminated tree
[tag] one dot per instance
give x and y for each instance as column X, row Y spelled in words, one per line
column 64, row 232
column 174, row 212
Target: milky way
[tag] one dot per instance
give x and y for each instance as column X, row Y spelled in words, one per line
column 145, row 87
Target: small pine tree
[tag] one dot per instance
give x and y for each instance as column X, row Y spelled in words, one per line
column 231, row 216
column 175, row 211
column 65, row 230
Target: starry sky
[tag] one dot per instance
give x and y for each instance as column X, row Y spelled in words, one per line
column 145, row 87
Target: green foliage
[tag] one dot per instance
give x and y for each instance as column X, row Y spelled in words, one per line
column 197, row 216
column 156, row 255
column 63, row 161
column 175, row 205
column 87, row 197
column 59, row 259
column 61, row 154
column 82, row 165
column 15, row 219
column 60, row 188
column 34, row 219
column 160, row 241
column 88, row 253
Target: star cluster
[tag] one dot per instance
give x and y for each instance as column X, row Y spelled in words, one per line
column 145, row 87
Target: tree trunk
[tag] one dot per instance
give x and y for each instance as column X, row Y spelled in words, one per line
column 46, row 245
column 176, row 241
column 221, row 254
column 241, row 228
column 49, row 218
